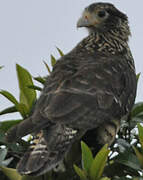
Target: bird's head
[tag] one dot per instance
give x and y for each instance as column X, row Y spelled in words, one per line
column 103, row 17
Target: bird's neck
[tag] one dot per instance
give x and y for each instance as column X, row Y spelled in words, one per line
column 108, row 42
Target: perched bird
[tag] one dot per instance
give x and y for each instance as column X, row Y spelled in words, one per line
column 88, row 92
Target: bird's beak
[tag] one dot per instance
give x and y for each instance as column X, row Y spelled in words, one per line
column 84, row 21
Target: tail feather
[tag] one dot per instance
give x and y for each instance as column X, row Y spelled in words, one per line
column 49, row 151
column 33, row 162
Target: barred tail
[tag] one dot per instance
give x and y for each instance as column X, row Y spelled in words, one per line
column 48, row 152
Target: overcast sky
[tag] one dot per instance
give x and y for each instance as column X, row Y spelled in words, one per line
column 30, row 30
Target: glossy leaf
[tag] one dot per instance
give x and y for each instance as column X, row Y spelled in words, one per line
column 140, row 129
column 139, row 156
column 2, row 137
column 87, row 157
column 15, row 147
column 6, row 162
column 9, row 96
column 34, row 178
column 80, row 173
column 105, row 178
column 138, row 108
column 138, row 178
column 53, row 60
column 119, row 170
column 35, row 87
column 27, row 95
column 11, row 109
column 121, row 178
column 138, row 76
column 123, row 144
column 48, row 68
column 128, row 159
column 23, row 109
column 99, row 163
column 140, row 115
column 40, row 80
column 1, row 67
column 3, row 153
column 5, row 125
column 135, row 120
column 60, row 52
column 11, row 173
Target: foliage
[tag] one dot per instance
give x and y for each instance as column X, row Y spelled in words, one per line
column 123, row 161
column 92, row 168
column 1, row 67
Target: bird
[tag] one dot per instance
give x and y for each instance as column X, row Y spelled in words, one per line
column 89, row 91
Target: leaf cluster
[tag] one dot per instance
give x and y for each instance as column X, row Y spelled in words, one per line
column 124, row 159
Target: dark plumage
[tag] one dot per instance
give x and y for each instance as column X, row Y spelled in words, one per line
column 89, row 90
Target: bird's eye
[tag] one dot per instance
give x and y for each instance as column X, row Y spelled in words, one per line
column 101, row 14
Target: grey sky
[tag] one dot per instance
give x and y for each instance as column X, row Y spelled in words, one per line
column 30, row 30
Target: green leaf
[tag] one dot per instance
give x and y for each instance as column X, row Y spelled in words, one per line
column 3, row 153
column 119, row 170
column 105, row 178
column 53, row 60
column 122, row 178
column 87, row 157
column 138, row 178
column 128, row 159
column 35, row 87
column 17, row 148
column 60, row 51
column 34, row 178
column 27, row 95
column 80, row 173
column 9, row 96
column 40, row 80
column 139, row 156
column 138, row 76
column 48, row 68
column 134, row 121
column 1, row 67
column 13, row 146
column 11, row 173
column 22, row 109
column 5, row 125
column 2, row 137
column 99, row 163
column 138, row 108
column 11, row 109
column 6, row 162
column 140, row 129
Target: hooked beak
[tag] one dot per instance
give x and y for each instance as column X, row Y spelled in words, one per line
column 84, row 21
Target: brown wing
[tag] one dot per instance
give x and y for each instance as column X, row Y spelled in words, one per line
column 82, row 94
column 96, row 92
